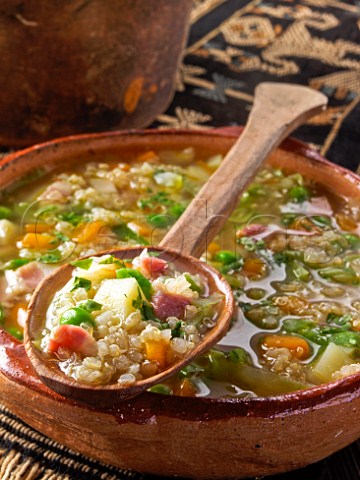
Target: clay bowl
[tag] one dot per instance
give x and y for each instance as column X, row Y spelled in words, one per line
column 197, row 437
column 87, row 66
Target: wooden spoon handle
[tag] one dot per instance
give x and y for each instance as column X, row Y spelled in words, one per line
column 278, row 109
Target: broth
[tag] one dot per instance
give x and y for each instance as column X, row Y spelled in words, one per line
column 290, row 251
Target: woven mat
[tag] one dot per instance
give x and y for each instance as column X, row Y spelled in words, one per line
column 233, row 45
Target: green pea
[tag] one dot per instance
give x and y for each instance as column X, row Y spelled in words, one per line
column 225, row 256
column 5, row 212
column 255, row 293
column 299, row 194
column 76, row 316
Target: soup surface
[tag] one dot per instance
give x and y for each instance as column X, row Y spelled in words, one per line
column 290, row 251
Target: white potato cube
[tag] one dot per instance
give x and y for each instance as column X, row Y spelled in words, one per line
column 118, row 294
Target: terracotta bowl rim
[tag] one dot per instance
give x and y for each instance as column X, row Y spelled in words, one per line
column 346, row 388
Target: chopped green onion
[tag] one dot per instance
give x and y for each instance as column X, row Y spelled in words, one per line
column 84, row 264
column 144, row 283
column 90, row 305
column 80, row 282
column 53, row 257
column 15, row 263
column 193, row 283
column 353, row 240
column 123, row 232
column 160, row 220
column 5, row 212
column 341, row 275
column 299, row 271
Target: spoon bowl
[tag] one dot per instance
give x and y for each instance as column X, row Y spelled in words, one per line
column 105, row 395
column 278, row 109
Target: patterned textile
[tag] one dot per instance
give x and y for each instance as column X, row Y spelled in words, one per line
column 234, row 45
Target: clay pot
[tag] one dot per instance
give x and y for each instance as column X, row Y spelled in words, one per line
column 193, row 437
column 86, row 66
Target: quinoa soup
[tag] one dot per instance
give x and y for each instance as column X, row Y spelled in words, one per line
column 290, row 251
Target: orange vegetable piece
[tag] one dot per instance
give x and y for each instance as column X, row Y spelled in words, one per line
column 38, row 240
column 133, row 94
column 147, row 156
column 156, row 352
column 345, row 223
column 213, row 247
column 253, row 266
column 185, row 389
column 298, row 346
column 88, row 232
column 38, row 227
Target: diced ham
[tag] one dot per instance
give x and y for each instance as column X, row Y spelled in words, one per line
column 73, row 338
column 166, row 305
column 31, row 275
column 58, row 191
column 153, row 266
column 251, row 230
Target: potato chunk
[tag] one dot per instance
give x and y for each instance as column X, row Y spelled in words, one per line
column 119, row 294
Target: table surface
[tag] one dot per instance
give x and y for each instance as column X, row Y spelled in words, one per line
column 233, row 45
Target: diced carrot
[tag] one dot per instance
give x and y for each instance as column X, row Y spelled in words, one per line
column 156, row 352
column 213, row 247
column 346, row 223
column 88, row 232
column 185, row 389
column 148, row 156
column 38, row 227
column 298, row 346
column 125, row 167
column 38, row 240
column 291, row 304
column 253, row 266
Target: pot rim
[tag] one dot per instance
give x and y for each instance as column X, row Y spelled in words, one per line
column 193, row 407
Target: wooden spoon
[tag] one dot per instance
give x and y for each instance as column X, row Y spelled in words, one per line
column 278, row 109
